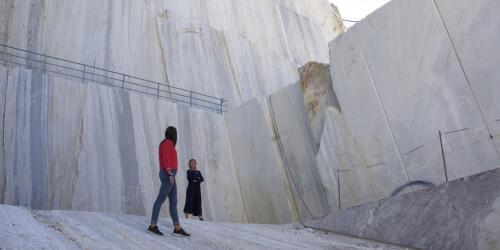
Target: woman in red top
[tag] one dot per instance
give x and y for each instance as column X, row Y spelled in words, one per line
column 168, row 188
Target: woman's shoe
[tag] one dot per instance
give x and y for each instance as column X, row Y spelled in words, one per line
column 181, row 232
column 154, row 229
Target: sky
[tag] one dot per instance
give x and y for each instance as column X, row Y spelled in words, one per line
column 357, row 9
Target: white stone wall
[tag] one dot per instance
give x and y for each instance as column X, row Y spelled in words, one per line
column 299, row 149
column 261, row 173
column 233, row 49
column 90, row 147
column 404, row 73
column 401, row 75
column 274, row 151
column 69, row 145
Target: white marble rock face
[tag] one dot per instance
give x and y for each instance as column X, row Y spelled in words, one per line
column 401, row 75
column 215, row 47
column 372, row 144
column 299, row 150
column 3, row 89
column 91, row 147
column 262, row 176
column 480, row 56
column 333, row 156
column 404, row 73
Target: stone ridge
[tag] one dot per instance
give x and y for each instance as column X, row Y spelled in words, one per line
column 461, row 214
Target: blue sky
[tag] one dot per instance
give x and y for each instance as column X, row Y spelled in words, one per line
column 357, row 9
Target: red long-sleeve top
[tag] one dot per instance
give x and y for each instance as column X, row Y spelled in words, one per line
column 168, row 156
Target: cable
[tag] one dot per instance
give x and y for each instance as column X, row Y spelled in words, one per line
column 282, row 152
column 351, row 21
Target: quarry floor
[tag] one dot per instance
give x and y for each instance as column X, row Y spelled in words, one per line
column 22, row 228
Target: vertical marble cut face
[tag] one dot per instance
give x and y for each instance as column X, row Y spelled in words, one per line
column 119, row 36
column 209, row 144
column 334, row 155
column 401, row 76
column 374, row 167
column 198, row 45
column 233, row 66
column 42, row 134
column 425, row 94
column 319, row 12
column 479, row 56
column 3, row 91
column 91, row 147
column 258, row 163
column 302, row 38
column 298, row 151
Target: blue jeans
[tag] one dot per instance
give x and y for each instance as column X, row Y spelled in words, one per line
column 166, row 190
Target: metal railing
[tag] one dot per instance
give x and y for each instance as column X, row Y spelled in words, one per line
column 10, row 55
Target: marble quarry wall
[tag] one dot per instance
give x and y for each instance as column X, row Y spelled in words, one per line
column 68, row 145
column 233, row 49
column 291, row 137
column 86, row 146
column 407, row 71
column 461, row 214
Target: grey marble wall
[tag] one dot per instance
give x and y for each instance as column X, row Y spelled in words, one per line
column 401, row 75
column 234, row 49
column 462, row 214
column 298, row 150
column 274, row 152
column 68, row 145
column 86, row 146
column 479, row 56
column 404, row 73
column 261, row 171
column 89, row 147
column 3, row 91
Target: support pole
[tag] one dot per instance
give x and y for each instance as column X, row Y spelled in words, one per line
column 338, row 187
column 123, row 82
column 83, row 75
column 442, row 153
column 221, row 105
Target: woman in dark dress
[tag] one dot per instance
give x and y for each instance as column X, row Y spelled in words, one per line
column 193, row 192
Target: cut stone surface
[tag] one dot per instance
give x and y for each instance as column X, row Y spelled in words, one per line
column 262, row 176
column 232, row 49
column 403, row 74
column 91, row 147
column 299, row 149
column 462, row 214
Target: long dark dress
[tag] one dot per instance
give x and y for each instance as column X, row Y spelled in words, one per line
column 193, row 193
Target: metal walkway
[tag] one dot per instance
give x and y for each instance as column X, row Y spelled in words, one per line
column 10, row 55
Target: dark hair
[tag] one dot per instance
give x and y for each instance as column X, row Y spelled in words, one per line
column 189, row 163
column 171, row 134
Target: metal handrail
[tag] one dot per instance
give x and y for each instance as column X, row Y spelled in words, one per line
column 85, row 72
